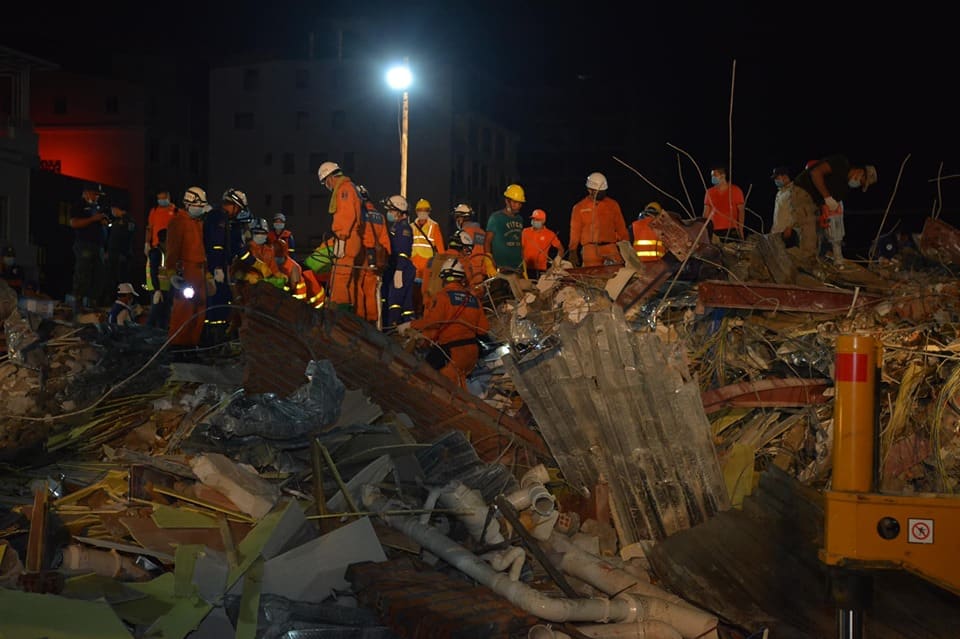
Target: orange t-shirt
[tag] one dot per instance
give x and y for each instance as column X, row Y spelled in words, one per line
column 536, row 245
column 158, row 220
column 725, row 206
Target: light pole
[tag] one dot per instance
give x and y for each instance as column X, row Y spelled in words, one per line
column 400, row 78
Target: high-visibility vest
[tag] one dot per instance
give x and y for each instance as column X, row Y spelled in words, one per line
column 646, row 241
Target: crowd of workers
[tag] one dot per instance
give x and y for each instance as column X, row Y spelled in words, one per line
column 401, row 272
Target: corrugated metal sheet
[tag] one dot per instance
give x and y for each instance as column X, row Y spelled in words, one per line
column 611, row 403
column 279, row 335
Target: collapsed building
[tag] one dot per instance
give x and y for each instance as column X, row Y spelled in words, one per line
column 643, row 452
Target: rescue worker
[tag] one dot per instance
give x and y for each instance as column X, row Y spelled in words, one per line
column 452, row 323
column 723, row 205
column 596, row 225
column 345, row 207
column 224, row 243
column 784, row 217
column 427, row 243
column 265, row 258
column 281, row 232
column 187, row 261
column 478, row 263
column 158, row 219
column 399, row 276
column 373, row 261
column 646, row 240
column 123, row 312
column 88, row 221
column 10, row 271
column 504, row 229
column 537, row 240
column 158, row 282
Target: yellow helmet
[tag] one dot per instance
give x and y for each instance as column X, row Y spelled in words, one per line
column 653, row 208
column 515, row 192
column 423, row 205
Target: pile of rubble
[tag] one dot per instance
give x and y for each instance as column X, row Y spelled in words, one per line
column 319, row 479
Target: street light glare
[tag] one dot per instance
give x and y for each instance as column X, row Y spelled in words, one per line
column 399, row 78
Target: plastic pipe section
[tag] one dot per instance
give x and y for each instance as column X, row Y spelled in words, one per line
column 853, row 414
column 638, row 630
column 533, row 493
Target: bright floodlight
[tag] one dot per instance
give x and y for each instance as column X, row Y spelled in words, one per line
column 399, row 78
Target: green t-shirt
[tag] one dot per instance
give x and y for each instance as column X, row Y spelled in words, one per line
column 506, row 231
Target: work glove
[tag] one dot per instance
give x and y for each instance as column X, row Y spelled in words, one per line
column 146, row 249
column 831, row 203
column 339, row 248
column 398, row 279
column 218, row 275
column 157, row 297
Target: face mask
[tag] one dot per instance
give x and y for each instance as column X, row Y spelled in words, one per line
column 779, row 183
column 537, row 224
column 195, row 211
column 9, row 261
column 853, row 184
column 422, row 215
column 260, row 238
column 714, row 179
column 163, row 202
column 278, row 227
column 391, row 216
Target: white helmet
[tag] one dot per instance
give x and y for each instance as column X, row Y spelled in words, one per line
column 397, row 202
column 195, row 196
column 235, row 196
column 462, row 210
column 452, row 269
column 597, row 181
column 326, row 170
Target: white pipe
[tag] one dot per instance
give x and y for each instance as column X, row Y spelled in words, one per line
column 659, row 605
column 618, row 609
column 428, row 505
column 460, row 497
column 532, row 492
column 637, row 630
column 512, row 557
column 543, row 526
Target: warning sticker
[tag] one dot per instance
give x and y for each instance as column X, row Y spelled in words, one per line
column 920, row 531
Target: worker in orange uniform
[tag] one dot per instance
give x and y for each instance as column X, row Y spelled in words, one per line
column 427, row 242
column 478, row 263
column 376, row 254
column 281, row 232
column 646, row 240
column 347, row 240
column 265, row 264
column 186, row 265
column 537, row 240
column 452, row 323
column 596, row 225
column 157, row 220
column 723, row 205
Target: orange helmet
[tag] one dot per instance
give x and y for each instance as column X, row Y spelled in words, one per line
column 539, row 214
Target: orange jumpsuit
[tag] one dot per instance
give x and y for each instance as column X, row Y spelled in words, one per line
column 646, row 241
column 597, row 226
column 453, row 321
column 346, row 209
column 186, row 255
column 478, row 266
column 536, row 245
column 375, row 236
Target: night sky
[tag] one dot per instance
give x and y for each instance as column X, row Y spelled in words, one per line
column 810, row 79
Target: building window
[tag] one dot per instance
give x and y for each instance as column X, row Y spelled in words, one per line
column 268, row 159
column 243, row 121
column 339, row 119
column 286, row 204
column 175, row 156
column 288, row 164
column 251, row 79
column 316, row 159
column 113, row 104
column 154, row 152
column 60, row 105
column 485, row 140
column 303, row 119
column 302, row 78
column 4, row 217
column 349, row 162
column 268, row 200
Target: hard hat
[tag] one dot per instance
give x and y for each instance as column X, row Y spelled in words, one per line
column 195, row 196
column 235, row 196
column 363, row 192
column 653, row 208
column 810, row 164
column 259, row 225
column 539, row 214
column 597, row 181
column 280, row 216
column 397, row 203
column 452, row 269
column 515, row 193
column 326, row 170
column 462, row 210
column 125, row 288
column 423, row 205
